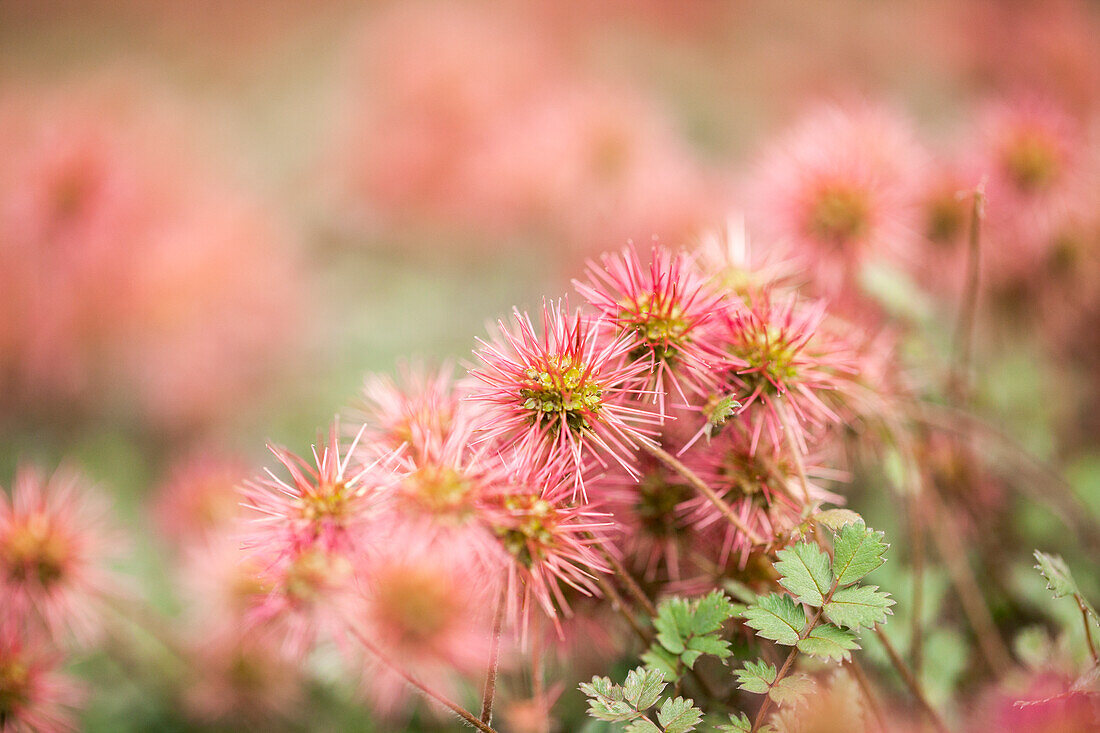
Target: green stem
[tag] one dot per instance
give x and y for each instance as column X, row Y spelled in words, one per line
column 910, row 681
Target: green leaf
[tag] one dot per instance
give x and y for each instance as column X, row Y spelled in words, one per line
column 756, row 677
column 673, row 624
column 806, row 572
column 711, row 611
column 776, row 617
column 643, row 687
column 689, row 657
column 835, row 519
column 828, row 642
column 642, row 725
column 600, row 687
column 679, row 715
column 739, row 723
column 662, row 660
column 1060, row 580
column 857, row 551
column 613, row 711
column 792, row 689
column 858, row 606
column 712, row 645
column 739, row 590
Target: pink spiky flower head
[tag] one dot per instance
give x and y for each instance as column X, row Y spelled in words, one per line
column 544, row 540
column 199, row 497
column 53, row 548
column 328, row 501
column 837, row 189
column 659, row 310
column 417, row 409
column 783, row 364
column 563, row 397
column 762, row 487
column 428, row 606
column 738, row 269
column 34, row 697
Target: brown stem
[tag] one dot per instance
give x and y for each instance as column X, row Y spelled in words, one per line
column 792, row 447
column 865, row 687
column 968, row 309
column 620, row 605
column 910, row 681
column 945, row 535
column 632, row 586
column 455, row 708
column 494, row 659
column 699, row 485
column 1088, row 631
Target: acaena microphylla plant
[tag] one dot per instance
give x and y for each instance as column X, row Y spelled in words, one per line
column 564, row 396
column 660, row 309
column 54, row 548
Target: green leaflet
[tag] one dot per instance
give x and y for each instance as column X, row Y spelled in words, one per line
column 806, row 572
column 776, row 617
column 829, row 643
column 679, row 715
column 858, row 606
column 857, row 551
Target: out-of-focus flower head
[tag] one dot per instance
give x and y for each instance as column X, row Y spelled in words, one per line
column 428, row 606
column 199, row 497
column 54, row 547
column 738, row 269
column 329, row 501
column 783, row 364
column 245, row 679
column 562, row 397
column 418, row 410
column 837, row 189
column 34, row 696
column 120, row 262
column 1041, row 703
column 660, row 310
column 544, row 540
column 1030, row 152
column 309, row 594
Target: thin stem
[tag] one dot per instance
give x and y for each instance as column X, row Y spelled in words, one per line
column 455, row 708
column 699, row 485
column 494, row 658
column 951, row 550
column 620, row 605
column 910, row 681
column 1088, row 631
column 632, row 586
column 865, row 687
column 792, row 447
column 968, row 308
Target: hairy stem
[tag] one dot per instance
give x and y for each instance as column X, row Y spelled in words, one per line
column 916, row 538
column 431, row 694
column 621, row 606
column 763, row 711
column 494, row 658
column 699, row 485
column 910, row 681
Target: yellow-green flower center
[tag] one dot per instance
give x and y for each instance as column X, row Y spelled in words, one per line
column 529, row 538
column 661, row 327
column 562, row 391
column 14, row 688
column 770, row 357
column 34, row 550
column 1031, row 162
column 838, row 215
